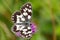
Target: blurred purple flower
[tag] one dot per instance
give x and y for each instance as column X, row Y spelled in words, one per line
column 33, row 27
column 18, row 34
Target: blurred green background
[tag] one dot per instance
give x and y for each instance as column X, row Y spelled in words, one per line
column 46, row 15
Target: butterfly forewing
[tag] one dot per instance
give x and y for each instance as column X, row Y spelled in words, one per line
column 26, row 10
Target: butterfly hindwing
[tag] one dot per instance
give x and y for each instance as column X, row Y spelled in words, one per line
column 24, row 29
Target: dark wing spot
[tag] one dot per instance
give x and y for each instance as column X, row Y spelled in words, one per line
column 14, row 29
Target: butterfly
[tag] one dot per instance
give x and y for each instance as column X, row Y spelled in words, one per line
column 22, row 21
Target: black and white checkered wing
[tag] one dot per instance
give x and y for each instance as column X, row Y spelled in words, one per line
column 26, row 10
column 18, row 17
column 14, row 16
column 22, row 20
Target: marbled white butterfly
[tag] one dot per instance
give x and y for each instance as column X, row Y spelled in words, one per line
column 22, row 21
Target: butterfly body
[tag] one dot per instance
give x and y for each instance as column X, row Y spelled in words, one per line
column 22, row 21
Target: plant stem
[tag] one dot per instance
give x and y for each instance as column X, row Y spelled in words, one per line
column 53, row 20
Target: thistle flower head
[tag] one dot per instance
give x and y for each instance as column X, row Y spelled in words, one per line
column 33, row 27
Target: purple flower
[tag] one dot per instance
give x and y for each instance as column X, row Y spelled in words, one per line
column 18, row 34
column 33, row 27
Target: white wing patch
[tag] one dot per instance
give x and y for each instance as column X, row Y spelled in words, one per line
column 29, row 10
column 29, row 16
column 25, row 13
column 23, row 19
